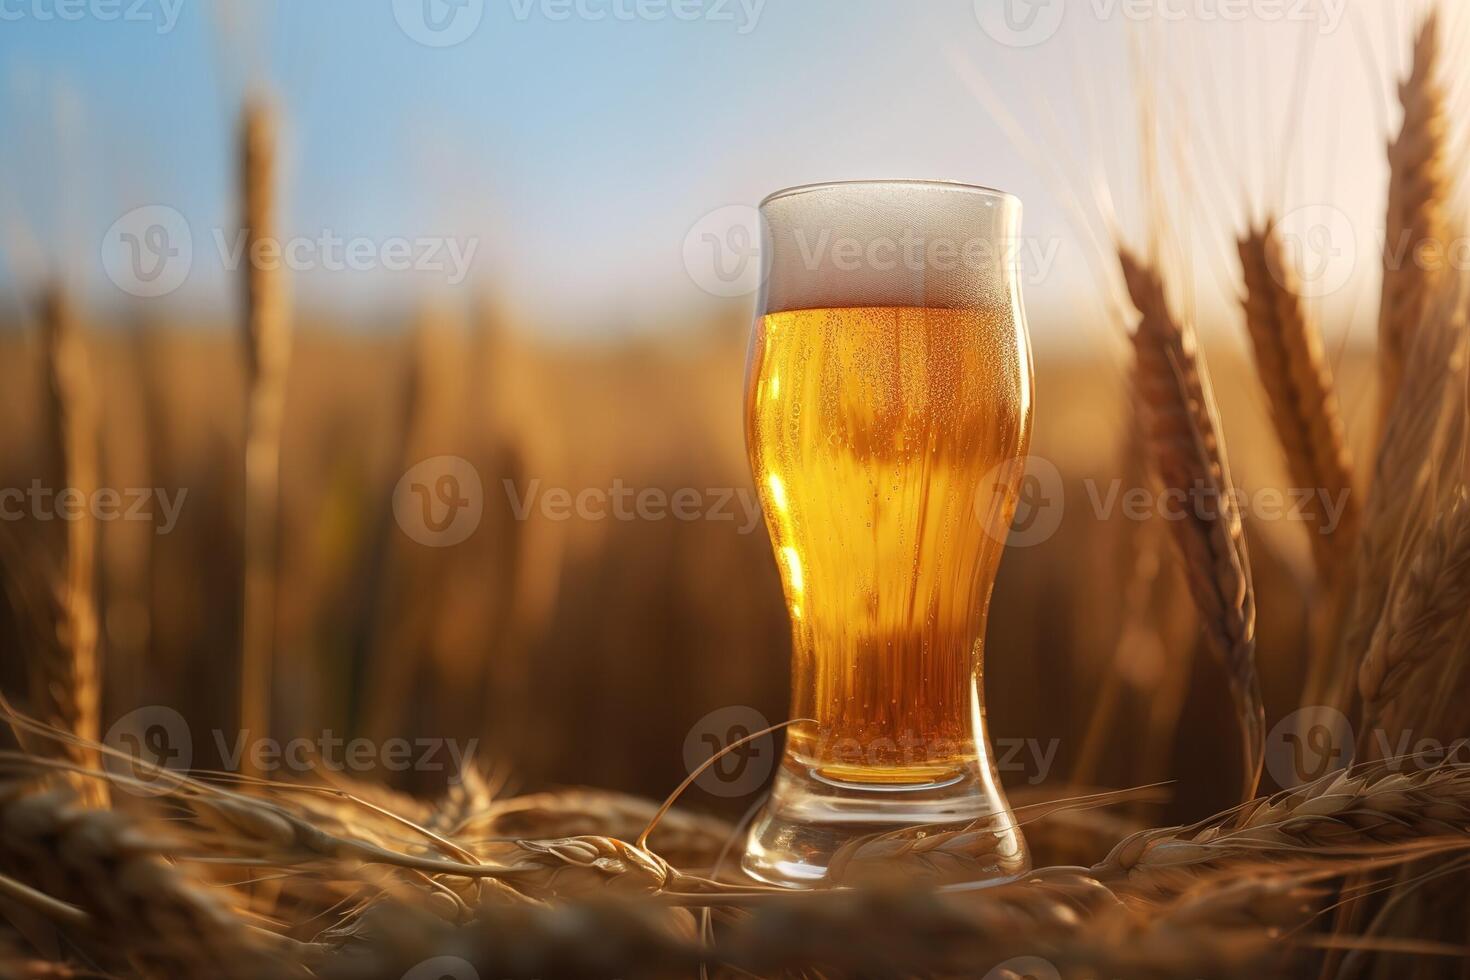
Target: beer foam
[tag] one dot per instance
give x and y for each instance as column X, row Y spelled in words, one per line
column 889, row 243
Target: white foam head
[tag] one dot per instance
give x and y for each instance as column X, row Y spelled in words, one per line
column 889, row 243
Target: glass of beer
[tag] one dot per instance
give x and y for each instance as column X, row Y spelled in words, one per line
column 888, row 412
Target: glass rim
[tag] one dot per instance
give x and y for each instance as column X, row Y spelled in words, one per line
column 916, row 182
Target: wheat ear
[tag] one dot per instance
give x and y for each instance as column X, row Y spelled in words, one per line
column 1415, row 226
column 65, row 683
column 1186, row 449
column 1293, row 370
column 268, row 352
column 138, row 904
column 1422, row 629
column 1403, row 477
column 1359, row 813
column 682, row 839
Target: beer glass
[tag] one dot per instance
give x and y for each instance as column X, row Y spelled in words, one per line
column 888, row 411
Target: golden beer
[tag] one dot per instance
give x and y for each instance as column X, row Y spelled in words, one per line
column 888, row 410
column 881, row 440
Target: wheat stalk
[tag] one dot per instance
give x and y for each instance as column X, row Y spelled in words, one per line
column 1415, row 226
column 683, row 839
column 1403, row 477
column 65, row 685
column 1352, row 813
column 1058, row 922
column 1423, row 625
column 1184, row 443
column 138, row 905
column 268, row 352
column 935, row 855
column 470, row 796
column 1293, row 370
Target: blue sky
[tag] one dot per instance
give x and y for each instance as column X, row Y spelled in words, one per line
column 577, row 141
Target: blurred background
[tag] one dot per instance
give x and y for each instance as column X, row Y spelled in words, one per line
column 517, row 240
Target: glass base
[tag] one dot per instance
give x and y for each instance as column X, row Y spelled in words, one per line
column 824, row 828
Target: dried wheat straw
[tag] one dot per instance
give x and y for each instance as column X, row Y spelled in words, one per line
column 934, row 855
column 1423, row 627
column 1415, row 228
column 683, row 839
column 1345, row 814
column 1057, row 922
column 268, row 351
column 1185, row 445
column 1404, row 476
column 65, row 679
column 141, row 907
column 1293, row 370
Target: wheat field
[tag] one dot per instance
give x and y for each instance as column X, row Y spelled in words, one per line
column 1153, row 685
